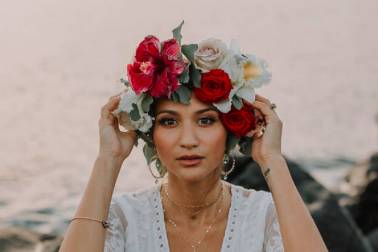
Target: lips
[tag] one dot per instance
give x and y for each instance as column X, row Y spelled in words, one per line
column 190, row 160
column 190, row 157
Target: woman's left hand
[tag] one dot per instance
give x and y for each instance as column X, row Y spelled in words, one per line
column 266, row 146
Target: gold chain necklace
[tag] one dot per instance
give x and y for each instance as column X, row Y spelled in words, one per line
column 193, row 215
column 192, row 206
column 196, row 244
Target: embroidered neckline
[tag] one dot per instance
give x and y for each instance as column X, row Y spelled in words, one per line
column 161, row 236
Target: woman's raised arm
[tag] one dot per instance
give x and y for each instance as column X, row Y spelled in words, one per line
column 298, row 230
column 115, row 146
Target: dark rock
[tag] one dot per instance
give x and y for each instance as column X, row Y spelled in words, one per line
column 361, row 185
column 367, row 207
column 373, row 165
column 335, row 223
column 14, row 239
column 23, row 240
column 373, row 238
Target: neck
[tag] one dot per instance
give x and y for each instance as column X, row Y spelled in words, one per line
column 198, row 193
column 194, row 193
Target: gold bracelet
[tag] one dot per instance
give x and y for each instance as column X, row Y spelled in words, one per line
column 104, row 223
column 266, row 173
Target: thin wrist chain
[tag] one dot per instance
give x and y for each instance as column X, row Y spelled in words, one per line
column 104, row 223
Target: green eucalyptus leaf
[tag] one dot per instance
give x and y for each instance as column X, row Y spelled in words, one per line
column 146, row 137
column 134, row 113
column 236, row 101
column 148, row 152
column 184, row 94
column 127, row 83
column 160, row 167
column 195, row 75
column 175, row 97
column 189, row 50
column 177, row 32
column 146, row 102
column 184, row 77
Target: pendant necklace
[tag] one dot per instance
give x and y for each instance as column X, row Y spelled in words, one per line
column 193, row 215
column 196, row 244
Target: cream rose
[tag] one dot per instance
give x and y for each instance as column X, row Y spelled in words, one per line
column 209, row 54
column 128, row 99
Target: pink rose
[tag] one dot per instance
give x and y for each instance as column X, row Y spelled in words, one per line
column 156, row 67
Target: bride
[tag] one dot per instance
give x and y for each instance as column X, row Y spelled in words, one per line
column 193, row 209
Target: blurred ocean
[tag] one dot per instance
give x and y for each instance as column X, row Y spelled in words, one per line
column 61, row 60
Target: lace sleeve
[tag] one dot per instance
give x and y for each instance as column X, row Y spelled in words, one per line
column 272, row 237
column 115, row 234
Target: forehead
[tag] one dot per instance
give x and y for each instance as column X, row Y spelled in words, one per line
column 194, row 105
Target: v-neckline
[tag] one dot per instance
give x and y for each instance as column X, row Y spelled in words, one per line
column 161, row 237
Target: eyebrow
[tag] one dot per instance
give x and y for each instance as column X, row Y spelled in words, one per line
column 175, row 113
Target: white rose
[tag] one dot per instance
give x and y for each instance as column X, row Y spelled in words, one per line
column 255, row 71
column 128, row 98
column 209, row 54
column 231, row 64
column 246, row 72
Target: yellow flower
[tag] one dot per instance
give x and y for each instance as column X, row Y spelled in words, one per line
column 251, row 71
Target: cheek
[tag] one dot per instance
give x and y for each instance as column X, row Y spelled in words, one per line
column 164, row 141
column 215, row 141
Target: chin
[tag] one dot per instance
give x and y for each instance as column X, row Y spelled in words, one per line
column 192, row 174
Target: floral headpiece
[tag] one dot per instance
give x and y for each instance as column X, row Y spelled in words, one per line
column 218, row 75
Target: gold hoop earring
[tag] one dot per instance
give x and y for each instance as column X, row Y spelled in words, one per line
column 158, row 166
column 226, row 160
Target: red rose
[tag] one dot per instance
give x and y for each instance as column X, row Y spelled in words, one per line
column 239, row 122
column 215, row 86
column 156, row 67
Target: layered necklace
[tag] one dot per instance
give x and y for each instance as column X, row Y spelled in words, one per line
column 195, row 245
column 191, row 208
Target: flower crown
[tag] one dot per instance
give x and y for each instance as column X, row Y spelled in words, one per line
column 221, row 76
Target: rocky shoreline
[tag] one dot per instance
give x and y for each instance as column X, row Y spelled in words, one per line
column 347, row 219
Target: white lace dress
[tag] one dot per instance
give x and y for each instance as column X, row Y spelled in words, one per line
column 137, row 223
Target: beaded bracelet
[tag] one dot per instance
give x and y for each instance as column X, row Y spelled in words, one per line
column 104, row 223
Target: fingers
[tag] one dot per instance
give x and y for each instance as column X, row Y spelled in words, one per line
column 264, row 115
column 110, row 106
column 267, row 112
column 131, row 134
column 256, row 131
column 114, row 96
column 260, row 125
column 116, row 124
column 263, row 99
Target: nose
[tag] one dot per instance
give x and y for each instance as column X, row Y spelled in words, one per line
column 189, row 138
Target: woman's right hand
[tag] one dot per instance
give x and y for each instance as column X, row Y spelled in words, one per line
column 114, row 144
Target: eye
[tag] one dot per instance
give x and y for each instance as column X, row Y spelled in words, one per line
column 164, row 121
column 207, row 120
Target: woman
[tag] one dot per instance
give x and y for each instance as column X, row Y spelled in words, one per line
column 193, row 210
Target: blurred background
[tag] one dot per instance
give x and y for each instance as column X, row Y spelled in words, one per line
column 61, row 60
